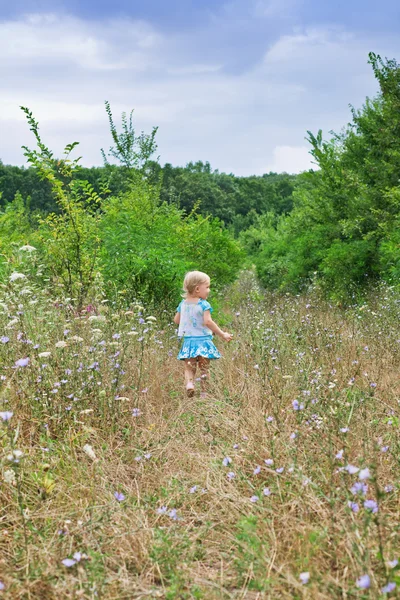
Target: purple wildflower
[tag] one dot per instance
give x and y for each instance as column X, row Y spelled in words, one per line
column 363, row 582
column 371, row 505
column 364, row 474
column 257, row 470
column 231, row 475
column 6, row 415
column 304, row 577
column 226, row 461
column 4, row 339
column 119, row 496
column 389, row 587
column 354, row 506
column 136, row 412
column 254, row 499
column 22, row 362
column 266, row 491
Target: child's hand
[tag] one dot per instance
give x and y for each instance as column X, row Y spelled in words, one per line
column 227, row 337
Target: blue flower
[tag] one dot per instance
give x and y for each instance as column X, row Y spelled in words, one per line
column 4, row 339
column 119, row 496
column 363, row 582
column 389, row 587
column 6, row 415
column 226, row 461
column 371, row 505
column 22, row 362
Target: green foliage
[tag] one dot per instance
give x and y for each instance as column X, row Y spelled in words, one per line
column 147, row 247
column 69, row 240
column 344, row 224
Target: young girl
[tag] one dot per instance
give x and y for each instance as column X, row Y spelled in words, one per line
column 196, row 326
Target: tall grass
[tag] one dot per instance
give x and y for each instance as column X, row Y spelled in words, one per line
column 283, row 483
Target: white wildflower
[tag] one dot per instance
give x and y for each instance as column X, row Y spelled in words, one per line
column 96, row 318
column 9, row 477
column 28, row 248
column 44, row 354
column 14, row 276
column 89, row 451
column 76, row 338
column 61, row 344
column 12, row 323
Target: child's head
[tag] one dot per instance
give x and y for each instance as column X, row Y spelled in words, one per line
column 194, row 283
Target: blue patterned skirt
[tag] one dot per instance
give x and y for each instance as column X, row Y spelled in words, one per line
column 193, row 346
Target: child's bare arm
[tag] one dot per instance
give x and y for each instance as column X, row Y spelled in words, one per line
column 177, row 318
column 208, row 322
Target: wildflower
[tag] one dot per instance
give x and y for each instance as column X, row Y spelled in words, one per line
column 393, row 563
column 296, row 405
column 373, row 385
column 12, row 323
column 28, row 248
column 359, row 488
column 389, row 587
column 231, row 475
column 269, row 462
column 363, row 582
column 136, row 412
column 89, row 451
column 9, row 477
column 22, row 362
column 193, row 489
column 147, row 456
column 364, row 474
column 162, row 510
column 266, row 491
column 257, row 470
column 371, row 505
column 6, row 415
column 235, row 446
column 269, row 419
column 116, row 336
column 280, row 470
column 256, row 367
column 339, row 455
column 354, row 506
column 44, row 354
column 344, row 429
column 254, row 499
column 384, row 448
column 61, row 344
column 304, row 577
column 15, row 456
column 388, row 488
column 173, row 514
column 351, row 469
column 293, row 436
column 226, row 461
column 2, row 586
column 15, row 276
column 76, row 338
column 4, row 339
column 119, row 496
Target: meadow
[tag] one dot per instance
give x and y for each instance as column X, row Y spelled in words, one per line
column 283, row 483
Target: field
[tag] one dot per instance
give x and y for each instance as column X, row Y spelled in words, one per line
column 283, row 483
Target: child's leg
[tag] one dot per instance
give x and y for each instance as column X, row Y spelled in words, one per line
column 190, row 372
column 204, row 364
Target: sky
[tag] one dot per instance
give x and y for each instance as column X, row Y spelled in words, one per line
column 235, row 83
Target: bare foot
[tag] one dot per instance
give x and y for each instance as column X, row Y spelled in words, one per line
column 190, row 389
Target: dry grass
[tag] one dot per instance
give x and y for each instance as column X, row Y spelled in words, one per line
column 220, row 544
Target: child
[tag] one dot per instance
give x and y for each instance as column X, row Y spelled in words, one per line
column 196, row 327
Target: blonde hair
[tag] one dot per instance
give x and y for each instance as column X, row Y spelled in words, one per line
column 192, row 280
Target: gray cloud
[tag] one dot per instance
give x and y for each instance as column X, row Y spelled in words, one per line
column 246, row 120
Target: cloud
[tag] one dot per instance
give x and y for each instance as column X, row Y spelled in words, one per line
column 246, row 120
column 291, row 159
